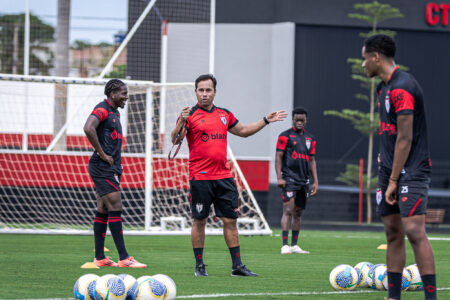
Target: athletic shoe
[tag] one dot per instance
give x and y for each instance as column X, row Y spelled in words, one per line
column 297, row 249
column 130, row 262
column 200, row 270
column 241, row 270
column 106, row 262
column 286, row 249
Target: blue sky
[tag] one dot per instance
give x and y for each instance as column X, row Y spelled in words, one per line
column 91, row 20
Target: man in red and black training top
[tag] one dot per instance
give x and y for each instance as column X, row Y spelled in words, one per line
column 206, row 127
column 404, row 164
column 104, row 131
column 295, row 165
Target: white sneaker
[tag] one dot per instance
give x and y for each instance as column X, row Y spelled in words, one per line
column 297, row 249
column 286, row 249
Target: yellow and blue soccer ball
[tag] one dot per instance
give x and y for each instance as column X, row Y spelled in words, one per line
column 343, row 277
column 362, row 269
column 406, row 279
column 416, row 280
column 84, row 287
column 110, row 287
column 150, row 288
column 371, row 276
column 131, row 286
column 380, row 279
column 169, row 284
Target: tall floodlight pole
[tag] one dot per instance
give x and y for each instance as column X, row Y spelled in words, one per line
column 26, row 71
column 163, row 79
column 212, row 36
column 62, row 69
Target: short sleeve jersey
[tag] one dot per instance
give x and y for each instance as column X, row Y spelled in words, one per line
column 402, row 95
column 207, row 141
column 109, row 133
column 298, row 149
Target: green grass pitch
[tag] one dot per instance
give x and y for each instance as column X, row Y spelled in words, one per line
column 47, row 266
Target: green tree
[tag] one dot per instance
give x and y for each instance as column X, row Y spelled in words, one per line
column 12, row 44
column 365, row 122
column 119, row 71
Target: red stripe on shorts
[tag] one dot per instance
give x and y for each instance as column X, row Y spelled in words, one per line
column 112, row 184
column 414, row 208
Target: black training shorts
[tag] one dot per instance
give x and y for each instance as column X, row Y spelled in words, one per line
column 412, row 197
column 106, row 185
column 299, row 193
column 221, row 192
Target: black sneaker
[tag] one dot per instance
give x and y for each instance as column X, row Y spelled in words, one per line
column 200, row 270
column 241, row 270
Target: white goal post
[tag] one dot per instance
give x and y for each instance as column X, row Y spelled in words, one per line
column 51, row 192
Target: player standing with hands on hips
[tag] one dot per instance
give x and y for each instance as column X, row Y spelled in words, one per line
column 404, row 167
column 295, row 164
column 104, row 132
column 205, row 127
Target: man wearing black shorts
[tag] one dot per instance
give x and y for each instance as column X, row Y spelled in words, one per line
column 205, row 127
column 404, row 164
column 295, row 164
column 104, row 131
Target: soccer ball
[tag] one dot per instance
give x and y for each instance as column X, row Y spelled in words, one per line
column 83, row 285
column 169, row 284
column 380, row 278
column 343, row 277
column 371, row 276
column 362, row 269
column 416, row 280
column 406, row 279
column 110, row 286
column 150, row 288
column 131, row 286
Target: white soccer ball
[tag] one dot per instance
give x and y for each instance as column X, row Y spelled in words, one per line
column 84, row 287
column 371, row 276
column 110, row 287
column 416, row 280
column 380, row 278
column 169, row 283
column 406, row 279
column 150, row 288
column 362, row 269
column 343, row 277
column 131, row 286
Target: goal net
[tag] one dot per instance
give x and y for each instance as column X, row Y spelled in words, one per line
column 46, row 188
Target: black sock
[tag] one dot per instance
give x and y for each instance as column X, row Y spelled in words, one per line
column 115, row 226
column 294, row 237
column 198, row 253
column 236, row 256
column 395, row 284
column 429, row 286
column 285, row 237
column 100, row 226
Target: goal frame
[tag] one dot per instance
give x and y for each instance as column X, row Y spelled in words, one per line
column 149, row 156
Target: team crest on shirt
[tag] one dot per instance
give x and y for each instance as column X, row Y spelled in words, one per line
column 308, row 143
column 224, row 120
column 199, row 207
column 387, row 103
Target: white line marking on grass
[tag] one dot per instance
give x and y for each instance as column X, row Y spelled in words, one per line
column 257, row 294
column 272, row 294
column 438, row 239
